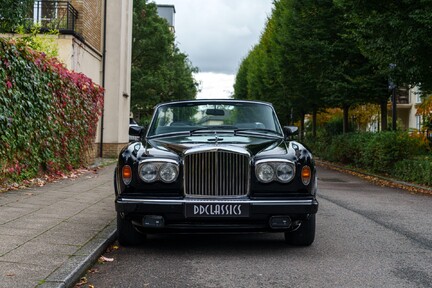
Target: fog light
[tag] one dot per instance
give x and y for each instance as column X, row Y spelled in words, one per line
column 280, row 222
column 153, row 221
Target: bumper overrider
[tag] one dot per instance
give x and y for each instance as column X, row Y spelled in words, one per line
column 204, row 214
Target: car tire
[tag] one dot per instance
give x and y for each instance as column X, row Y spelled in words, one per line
column 127, row 234
column 304, row 235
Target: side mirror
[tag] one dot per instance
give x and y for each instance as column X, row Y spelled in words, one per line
column 290, row 131
column 137, row 131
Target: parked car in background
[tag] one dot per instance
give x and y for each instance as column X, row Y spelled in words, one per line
column 215, row 166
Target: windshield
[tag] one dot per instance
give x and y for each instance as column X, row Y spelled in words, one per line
column 215, row 116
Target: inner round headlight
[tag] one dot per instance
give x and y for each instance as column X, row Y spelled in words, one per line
column 168, row 172
column 148, row 172
column 265, row 173
column 285, row 172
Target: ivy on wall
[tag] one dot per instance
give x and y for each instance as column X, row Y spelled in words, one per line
column 48, row 114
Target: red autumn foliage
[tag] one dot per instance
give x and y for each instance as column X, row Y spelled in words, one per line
column 48, row 114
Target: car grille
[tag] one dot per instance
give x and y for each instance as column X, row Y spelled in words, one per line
column 216, row 174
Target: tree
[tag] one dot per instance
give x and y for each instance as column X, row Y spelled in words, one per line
column 160, row 72
column 306, row 60
column 241, row 84
column 13, row 13
column 395, row 32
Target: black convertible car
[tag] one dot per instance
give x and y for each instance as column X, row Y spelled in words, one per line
column 215, row 166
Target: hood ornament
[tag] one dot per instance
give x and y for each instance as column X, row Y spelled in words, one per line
column 216, row 139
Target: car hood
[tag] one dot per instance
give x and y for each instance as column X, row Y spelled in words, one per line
column 253, row 145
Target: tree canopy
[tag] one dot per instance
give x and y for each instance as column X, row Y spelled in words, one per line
column 13, row 13
column 394, row 32
column 336, row 53
column 160, row 71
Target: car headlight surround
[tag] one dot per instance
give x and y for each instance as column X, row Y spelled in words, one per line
column 166, row 171
column 279, row 170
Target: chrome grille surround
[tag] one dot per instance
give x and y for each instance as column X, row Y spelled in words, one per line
column 216, row 172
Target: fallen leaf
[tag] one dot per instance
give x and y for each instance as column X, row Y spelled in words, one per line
column 106, row 259
column 93, row 270
column 82, row 282
column 112, row 248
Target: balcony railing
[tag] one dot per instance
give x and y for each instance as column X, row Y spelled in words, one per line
column 402, row 95
column 59, row 15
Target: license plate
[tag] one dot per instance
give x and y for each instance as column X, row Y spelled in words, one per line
column 217, row 210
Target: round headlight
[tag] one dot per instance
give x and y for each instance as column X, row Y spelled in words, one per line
column 168, row 172
column 148, row 172
column 284, row 172
column 265, row 173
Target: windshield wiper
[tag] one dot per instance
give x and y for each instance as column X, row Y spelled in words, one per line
column 169, row 134
column 212, row 128
column 232, row 129
column 261, row 131
column 193, row 131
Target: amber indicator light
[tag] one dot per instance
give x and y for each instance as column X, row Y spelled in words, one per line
column 127, row 172
column 306, row 175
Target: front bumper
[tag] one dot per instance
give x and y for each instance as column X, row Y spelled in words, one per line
column 176, row 213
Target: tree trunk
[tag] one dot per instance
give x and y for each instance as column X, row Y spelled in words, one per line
column 384, row 124
column 345, row 119
column 302, row 126
column 314, row 122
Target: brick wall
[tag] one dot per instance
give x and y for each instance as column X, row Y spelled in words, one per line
column 89, row 22
column 110, row 150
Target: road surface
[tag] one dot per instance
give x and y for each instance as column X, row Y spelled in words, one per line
column 367, row 236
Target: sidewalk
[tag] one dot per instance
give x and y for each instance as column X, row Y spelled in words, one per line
column 50, row 235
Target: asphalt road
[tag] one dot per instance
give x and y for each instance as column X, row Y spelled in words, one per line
column 367, row 236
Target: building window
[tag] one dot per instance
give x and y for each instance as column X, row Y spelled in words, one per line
column 418, row 122
column 418, row 97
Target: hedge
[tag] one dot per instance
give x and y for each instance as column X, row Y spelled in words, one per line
column 48, row 114
column 417, row 170
column 394, row 154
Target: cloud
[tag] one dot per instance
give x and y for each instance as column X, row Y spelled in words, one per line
column 218, row 34
column 215, row 85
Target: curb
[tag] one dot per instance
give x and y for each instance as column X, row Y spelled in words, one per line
column 70, row 272
column 387, row 181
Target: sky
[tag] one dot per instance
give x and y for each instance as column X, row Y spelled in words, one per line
column 217, row 35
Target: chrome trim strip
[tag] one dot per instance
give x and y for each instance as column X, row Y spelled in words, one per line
column 159, row 160
column 215, row 148
column 274, row 160
column 189, row 201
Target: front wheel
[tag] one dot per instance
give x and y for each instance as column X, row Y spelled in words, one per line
column 304, row 235
column 127, row 234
